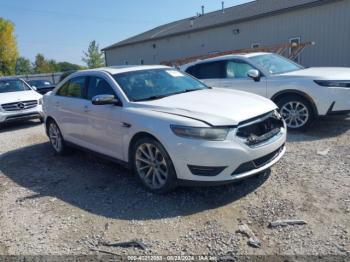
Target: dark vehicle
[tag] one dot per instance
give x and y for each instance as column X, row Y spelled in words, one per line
column 42, row 86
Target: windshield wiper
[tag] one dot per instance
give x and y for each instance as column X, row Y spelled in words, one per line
column 163, row 96
column 150, row 98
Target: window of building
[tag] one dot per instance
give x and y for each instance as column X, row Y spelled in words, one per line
column 294, row 41
column 142, row 62
column 236, row 31
column 98, row 86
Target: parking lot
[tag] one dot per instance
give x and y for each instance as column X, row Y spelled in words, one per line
column 74, row 204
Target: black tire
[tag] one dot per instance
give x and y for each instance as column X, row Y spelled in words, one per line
column 171, row 178
column 304, row 106
column 62, row 148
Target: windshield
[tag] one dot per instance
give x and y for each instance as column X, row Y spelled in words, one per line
column 39, row 83
column 12, row 86
column 156, row 83
column 275, row 64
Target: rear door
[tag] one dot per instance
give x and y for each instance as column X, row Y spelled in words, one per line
column 70, row 105
column 104, row 125
column 211, row 73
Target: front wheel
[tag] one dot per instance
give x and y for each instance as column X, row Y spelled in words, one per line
column 153, row 166
column 296, row 111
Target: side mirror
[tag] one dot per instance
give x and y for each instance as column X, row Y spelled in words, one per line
column 34, row 88
column 104, row 100
column 254, row 74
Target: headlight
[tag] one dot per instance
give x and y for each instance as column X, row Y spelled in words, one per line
column 207, row 133
column 333, row 83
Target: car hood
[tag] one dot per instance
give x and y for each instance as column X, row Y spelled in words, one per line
column 12, row 97
column 322, row 73
column 216, row 107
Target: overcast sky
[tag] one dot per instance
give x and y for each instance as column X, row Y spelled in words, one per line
column 62, row 29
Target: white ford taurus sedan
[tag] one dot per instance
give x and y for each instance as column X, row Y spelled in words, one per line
column 302, row 94
column 165, row 125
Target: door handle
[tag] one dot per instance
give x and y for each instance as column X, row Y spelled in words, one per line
column 86, row 109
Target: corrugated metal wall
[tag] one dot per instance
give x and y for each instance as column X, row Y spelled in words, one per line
column 328, row 25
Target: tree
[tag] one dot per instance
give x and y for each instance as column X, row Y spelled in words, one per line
column 41, row 65
column 8, row 48
column 93, row 57
column 66, row 66
column 23, row 66
column 54, row 66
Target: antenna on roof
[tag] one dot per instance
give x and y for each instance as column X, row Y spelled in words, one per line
column 202, row 9
column 223, row 7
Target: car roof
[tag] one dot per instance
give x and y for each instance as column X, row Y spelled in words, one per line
column 124, row 69
column 226, row 57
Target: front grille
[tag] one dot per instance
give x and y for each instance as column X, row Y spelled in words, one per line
column 22, row 105
column 260, row 130
column 257, row 163
column 268, row 158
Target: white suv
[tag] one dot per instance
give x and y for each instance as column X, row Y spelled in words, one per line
column 165, row 125
column 302, row 94
column 18, row 101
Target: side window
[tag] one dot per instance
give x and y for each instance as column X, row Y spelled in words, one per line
column 73, row 88
column 237, row 69
column 209, row 70
column 98, row 86
column 192, row 70
column 63, row 90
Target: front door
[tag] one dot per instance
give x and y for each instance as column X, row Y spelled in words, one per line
column 236, row 77
column 104, row 125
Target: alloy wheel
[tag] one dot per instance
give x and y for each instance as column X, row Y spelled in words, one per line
column 55, row 137
column 151, row 165
column 295, row 113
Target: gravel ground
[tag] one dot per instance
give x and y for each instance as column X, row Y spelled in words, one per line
column 75, row 204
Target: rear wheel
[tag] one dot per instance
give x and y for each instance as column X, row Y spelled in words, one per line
column 296, row 111
column 56, row 138
column 153, row 166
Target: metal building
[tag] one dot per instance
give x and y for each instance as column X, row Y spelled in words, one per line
column 257, row 23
